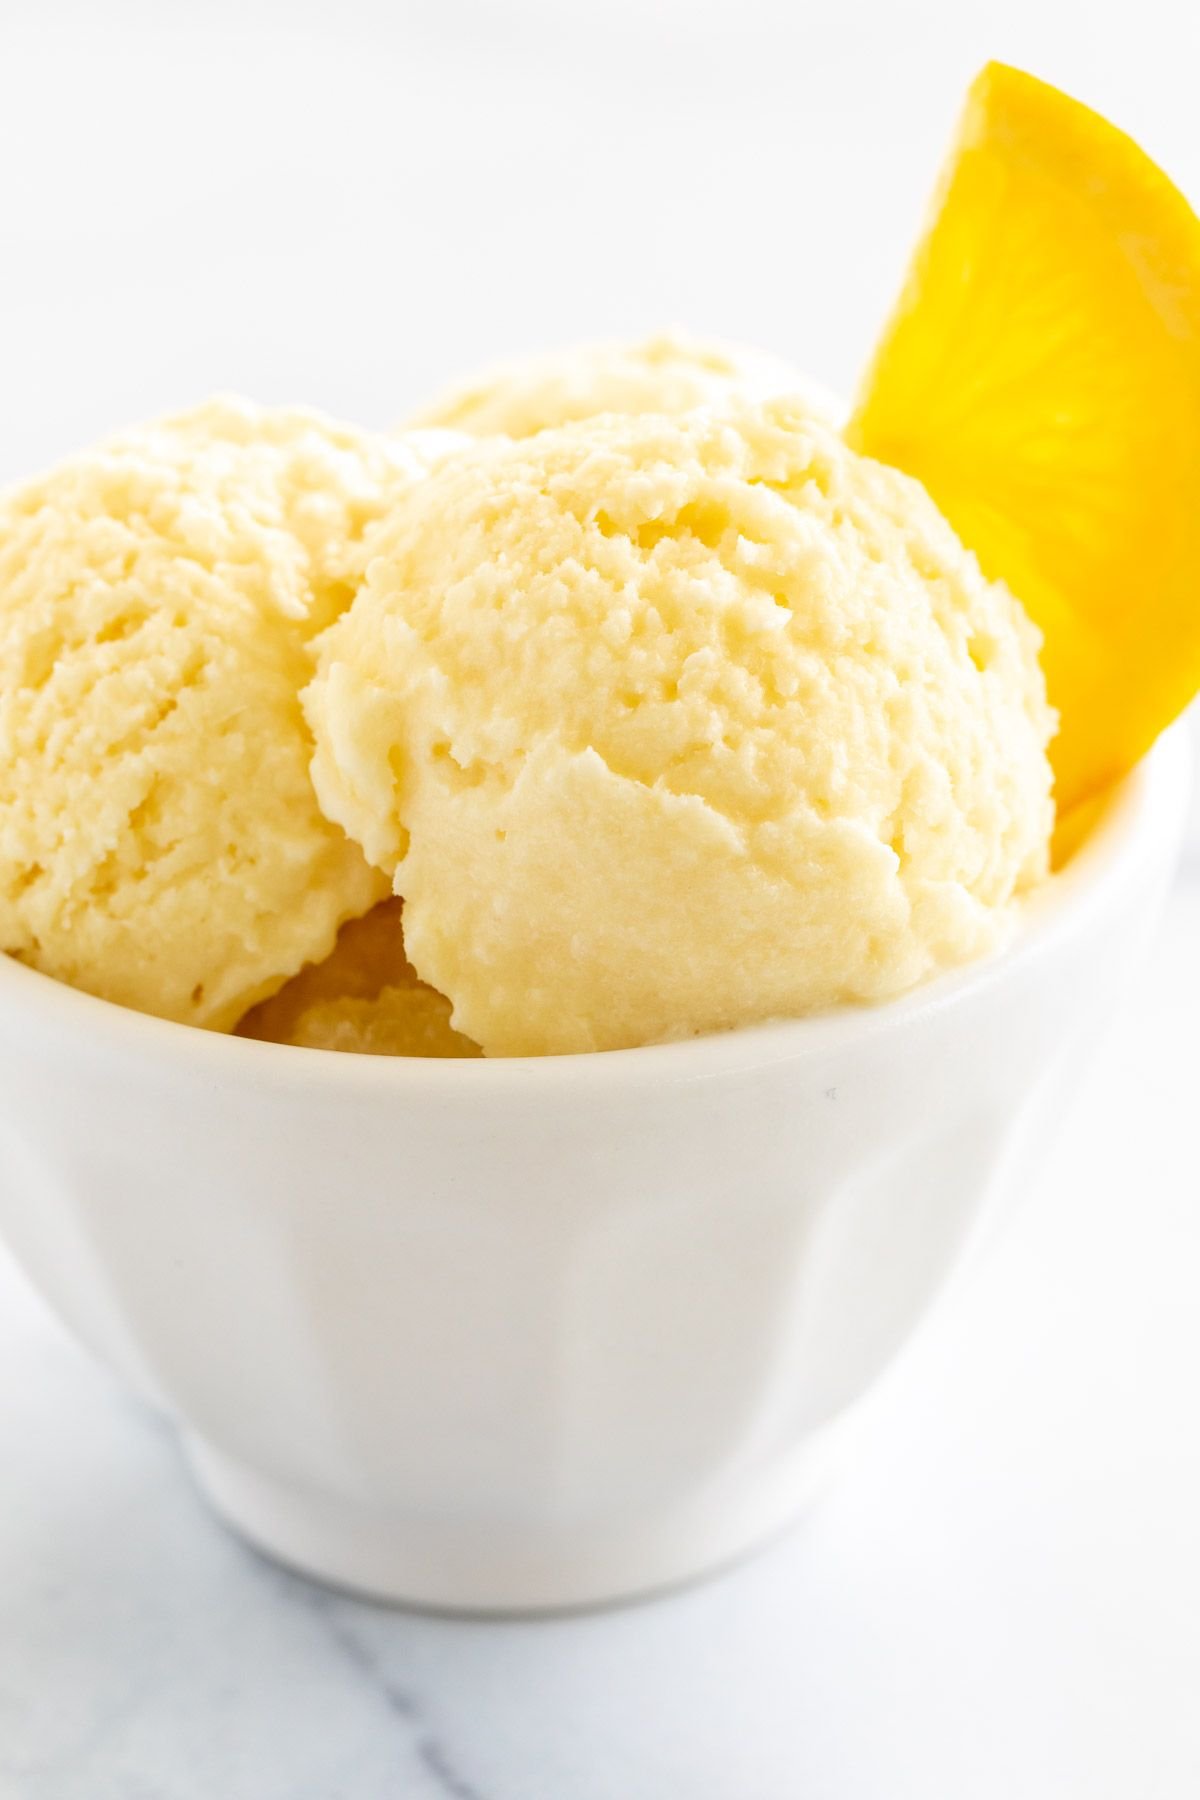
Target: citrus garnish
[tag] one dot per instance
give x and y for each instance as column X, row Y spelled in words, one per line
column 1041, row 376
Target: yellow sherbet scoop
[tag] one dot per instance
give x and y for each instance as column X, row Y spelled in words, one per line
column 1041, row 376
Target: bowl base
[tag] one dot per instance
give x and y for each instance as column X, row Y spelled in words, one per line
column 438, row 1565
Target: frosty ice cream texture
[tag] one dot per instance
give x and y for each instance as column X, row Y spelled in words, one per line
column 160, row 842
column 668, row 725
column 670, row 373
column 669, row 718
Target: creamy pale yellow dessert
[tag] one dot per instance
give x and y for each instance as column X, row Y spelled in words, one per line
column 160, row 841
column 664, row 707
column 669, row 373
column 663, row 726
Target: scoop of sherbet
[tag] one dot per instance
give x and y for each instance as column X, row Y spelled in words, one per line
column 160, row 842
column 668, row 726
column 365, row 996
column 671, row 373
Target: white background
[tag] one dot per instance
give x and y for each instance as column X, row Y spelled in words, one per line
column 346, row 204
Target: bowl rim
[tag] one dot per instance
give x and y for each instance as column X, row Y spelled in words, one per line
column 1142, row 813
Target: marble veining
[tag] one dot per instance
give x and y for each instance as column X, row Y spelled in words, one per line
column 432, row 1753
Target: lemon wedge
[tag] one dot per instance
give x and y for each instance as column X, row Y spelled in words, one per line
column 1041, row 376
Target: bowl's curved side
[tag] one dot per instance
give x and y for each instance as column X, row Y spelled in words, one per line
column 545, row 1332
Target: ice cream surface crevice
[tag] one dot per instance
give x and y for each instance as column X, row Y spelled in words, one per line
column 364, row 997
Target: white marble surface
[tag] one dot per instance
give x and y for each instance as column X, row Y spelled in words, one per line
column 1000, row 1600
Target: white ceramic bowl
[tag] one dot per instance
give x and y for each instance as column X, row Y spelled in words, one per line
column 530, row 1333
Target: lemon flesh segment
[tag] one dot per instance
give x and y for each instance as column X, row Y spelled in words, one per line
column 1041, row 377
